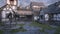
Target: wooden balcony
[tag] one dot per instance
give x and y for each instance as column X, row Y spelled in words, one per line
column 23, row 12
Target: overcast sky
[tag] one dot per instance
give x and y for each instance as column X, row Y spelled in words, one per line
column 46, row 2
column 2, row 3
column 27, row 2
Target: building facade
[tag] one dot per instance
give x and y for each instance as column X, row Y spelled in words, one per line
column 52, row 14
column 36, row 8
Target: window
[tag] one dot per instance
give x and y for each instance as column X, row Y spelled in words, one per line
column 57, row 17
column 46, row 17
column 13, row 7
column 41, row 16
column 4, row 9
column 8, row 2
column 36, row 7
column 15, row 2
column 36, row 17
column 59, row 6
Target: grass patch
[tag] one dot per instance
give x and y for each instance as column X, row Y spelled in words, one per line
column 21, row 29
column 1, row 32
column 21, row 25
column 57, row 30
column 14, row 30
column 46, row 32
column 42, row 30
column 45, row 26
column 1, row 24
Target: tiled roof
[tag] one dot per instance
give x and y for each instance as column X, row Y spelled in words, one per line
column 53, row 8
column 37, row 3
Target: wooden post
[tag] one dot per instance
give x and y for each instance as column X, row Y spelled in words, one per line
column 0, row 15
column 50, row 17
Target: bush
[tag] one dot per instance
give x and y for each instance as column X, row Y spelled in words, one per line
column 1, row 32
column 45, row 26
